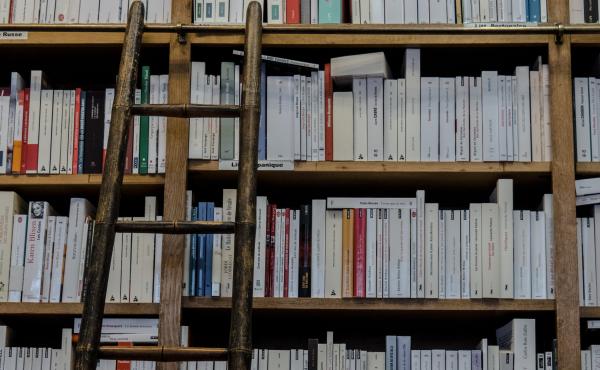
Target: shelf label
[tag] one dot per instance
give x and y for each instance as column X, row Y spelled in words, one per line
column 500, row 25
column 225, row 165
column 13, row 35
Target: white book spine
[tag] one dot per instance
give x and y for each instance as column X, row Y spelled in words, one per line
column 549, row 214
column 448, row 121
column 413, row 253
column 462, row 118
column 431, row 250
column 515, row 120
column 186, row 257
column 342, row 127
column 303, row 117
column 475, row 245
column 113, row 289
column 135, row 166
column 58, row 259
column 503, row 195
column 509, row 119
column 465, row 257
column 580, row 260
column 64, row 127
column 441, row 255
column 45, row 134
column 546, row 118
column 453, row 256
column 34, row 250
column 280, row 138
column 35, row 95
column 260, row 247
column 71, row 119
column 359, row 91
column 197, row 97
column 491, row 255
column 412, row 72
column 153, row 125
column 421, row 243
column 296, row 123
column 162, row 125
column 156, row 276
column 390, row 120
column 10, row 203
column 536, row 123
column 522, row 252
column 523, row 114
column 217, row 256
column 582, row 119
column 48, row 253
column 57, row 119
column 294, row 260
column 437, row 11
column 394, row 11
column 538, row 255
column 375, row 127
column 475, row 119
column 489, row 81
column 385, row 246
column 214, row 122
column 502, row 125
column 365, row 12
column 401, row 107
column 430, row 118
column 423, row 12
column 318, row 248
column 17, row 262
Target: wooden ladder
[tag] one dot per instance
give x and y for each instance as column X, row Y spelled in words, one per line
column 239, row 352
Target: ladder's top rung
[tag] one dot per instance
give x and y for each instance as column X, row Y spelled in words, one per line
column 186, row 110
column 162, row 353
column 175, row 227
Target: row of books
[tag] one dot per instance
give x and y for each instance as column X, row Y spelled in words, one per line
column 133, row 365
column 19, row 358
column 583, row 11
column 586, row 108
column 493, row 117
column 43, row 256
column 47, row 131
column 587, row 191
column 376, row 11
column 382, row 247
column 80, row 11
column 590, row 357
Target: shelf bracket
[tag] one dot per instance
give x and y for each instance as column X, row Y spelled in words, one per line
column 560, row 32
column 180, row 34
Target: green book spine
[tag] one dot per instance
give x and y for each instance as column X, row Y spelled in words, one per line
column 144, row 121
column 227, row 129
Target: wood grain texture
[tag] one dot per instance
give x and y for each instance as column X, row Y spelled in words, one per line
column 77, row 39
column 589, row 312
column 563, row 181
column 75, row 309
column 315, row 305
column 587, row 169
column 175, row 186
column 74, row 180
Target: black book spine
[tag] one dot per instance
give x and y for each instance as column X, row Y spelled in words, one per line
column 305, row 250
column 590, row 11
column 94, row 132
column 313, row 353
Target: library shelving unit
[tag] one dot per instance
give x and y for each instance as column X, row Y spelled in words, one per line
column 554, row 38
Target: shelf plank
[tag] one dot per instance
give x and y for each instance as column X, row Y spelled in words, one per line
column 589, row 312
column 409, row 174
column 85, row 180
column 588, row 168
column 79, row 39
column 75, row 309
column 362, row 305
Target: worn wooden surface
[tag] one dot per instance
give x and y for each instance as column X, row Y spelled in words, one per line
column 563, row 183
column 163, row 353
column 175, row 187
column 186, row 110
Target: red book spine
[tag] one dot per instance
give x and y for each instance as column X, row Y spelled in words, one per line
column 76, row 131
column 24, row 150
column 292, row 11
column 328, row 114
column 286, row 254
column 124, row 364
column 271, row 270
column 360, row 228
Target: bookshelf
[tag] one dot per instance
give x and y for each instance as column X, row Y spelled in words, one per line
column 560, row 173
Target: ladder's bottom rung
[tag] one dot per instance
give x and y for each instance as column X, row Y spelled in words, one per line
column 162, row 353
column 175, row 227
column 186, row 110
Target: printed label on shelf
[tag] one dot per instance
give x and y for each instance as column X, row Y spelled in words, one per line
column 13, row 35
column 500, row 25
column 262, row 165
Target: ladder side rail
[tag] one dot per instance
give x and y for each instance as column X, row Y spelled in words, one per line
column 96, row 275
column 240, row 332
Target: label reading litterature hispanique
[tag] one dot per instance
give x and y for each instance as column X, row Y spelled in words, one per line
column 228, row 165
column 13, row 35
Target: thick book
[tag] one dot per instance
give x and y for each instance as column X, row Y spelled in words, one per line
column 333, row 254
column 94, row 131
column 522, row 254
column 318, row 248
column 430, row 118
column 17, row 261
column 503, row 196
column 227, row 132
column 344, row 68
column 475, row 119
column 229, row 202
column 37, row 83
column 375, row 128
column 431, row 250
column 412, row 75
column 359, row 93
column 348, row 252
column 343, row 130
column 491, row 254
column 11, row 204
column 280, row 113
column 519, row 337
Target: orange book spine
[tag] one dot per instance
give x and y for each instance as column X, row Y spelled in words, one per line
column 348, row 253
column 18, row 135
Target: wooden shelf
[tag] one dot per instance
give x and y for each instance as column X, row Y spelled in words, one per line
column 79, row 39
column 588, row 168
column 7, row 181
column 74, row 309
column 306, row 305
column 589, row 312
column 410, row 173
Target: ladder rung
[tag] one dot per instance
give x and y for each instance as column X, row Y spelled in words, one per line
column 162, row 353
column 186, row 110
column 175, row 227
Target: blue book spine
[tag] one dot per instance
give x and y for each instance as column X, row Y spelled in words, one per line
column 208, row 249
column 200, row 247
column 330, row 11
column 533, row 11
column 262, row 124
column 81, row 132
column 192, row 287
